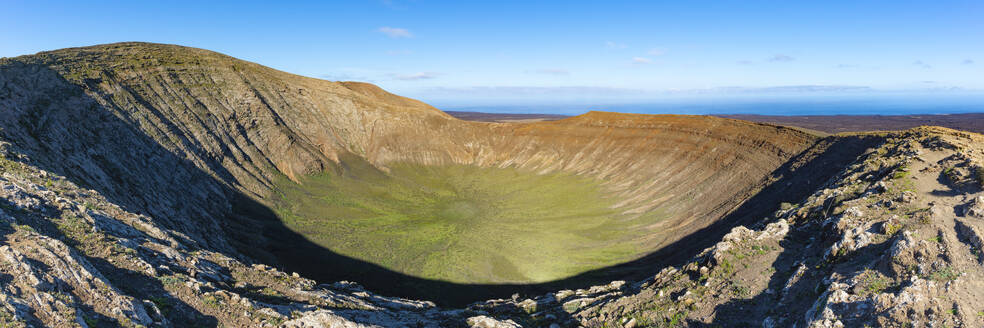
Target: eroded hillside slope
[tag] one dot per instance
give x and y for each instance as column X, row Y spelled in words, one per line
column 114, row 117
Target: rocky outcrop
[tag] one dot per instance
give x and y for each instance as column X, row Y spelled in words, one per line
column 882, row 244
column 69, row 258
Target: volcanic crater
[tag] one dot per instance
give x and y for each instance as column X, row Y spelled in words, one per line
column 159, row 185
column 342, row 180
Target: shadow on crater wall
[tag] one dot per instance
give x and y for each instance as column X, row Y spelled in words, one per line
column 102, row 148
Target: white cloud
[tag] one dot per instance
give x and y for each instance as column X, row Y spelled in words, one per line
column 656, row 52
column 344, row 77
column 781, row 58
column 529, row 90
column 393, row 5
column 595, row 91
column 615, row 45
column 551, row 71
column 641, row 60
column 922, row 64
column 416, row 76
column 352, row 74
column 395, row 33
column 794, row 89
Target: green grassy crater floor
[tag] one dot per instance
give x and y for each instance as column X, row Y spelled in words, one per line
column 463, row 224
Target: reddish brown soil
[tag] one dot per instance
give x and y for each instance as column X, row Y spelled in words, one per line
column 498, row 117
column 973, row 122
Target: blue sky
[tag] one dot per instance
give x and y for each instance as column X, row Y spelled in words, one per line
column 470, row 52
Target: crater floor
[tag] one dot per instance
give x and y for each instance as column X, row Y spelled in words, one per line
column 464, row 224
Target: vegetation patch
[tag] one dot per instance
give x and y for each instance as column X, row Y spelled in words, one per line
column 163, row 304
column 7, row 319
column 462, row 223
column 171, row 280
column 872, row 282
column 211, row 301
column 944, row 274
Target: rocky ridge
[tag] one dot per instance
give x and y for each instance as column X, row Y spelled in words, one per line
column 894, row 240
column 71, row 258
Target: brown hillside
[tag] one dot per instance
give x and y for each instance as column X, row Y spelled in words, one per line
column 114, row 117
column 247, row 123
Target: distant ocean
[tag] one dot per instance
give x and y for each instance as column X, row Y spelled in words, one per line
column 812, row 106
